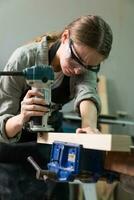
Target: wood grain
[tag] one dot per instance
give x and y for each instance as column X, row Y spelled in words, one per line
column 106, row 142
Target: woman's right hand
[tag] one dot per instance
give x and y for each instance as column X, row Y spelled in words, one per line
column 33, row 104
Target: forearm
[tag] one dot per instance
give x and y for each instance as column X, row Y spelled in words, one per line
column 13, row 126
column 88, row 113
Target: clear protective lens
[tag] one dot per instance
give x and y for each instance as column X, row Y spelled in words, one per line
column 69, row 58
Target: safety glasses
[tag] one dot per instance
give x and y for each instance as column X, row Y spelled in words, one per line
column 75, row 57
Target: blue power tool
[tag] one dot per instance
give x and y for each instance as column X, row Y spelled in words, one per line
column 40, row 78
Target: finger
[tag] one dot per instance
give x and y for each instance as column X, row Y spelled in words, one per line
column 97, row 131
column 33, row 114
column 80, row 130
column 88, row 130
column 34, row 100
column 34, row 107
column 93, row 131
column 32, row 93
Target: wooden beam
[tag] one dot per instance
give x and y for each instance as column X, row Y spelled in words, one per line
column 106, row 142
column 102, row 90
column 122, row 162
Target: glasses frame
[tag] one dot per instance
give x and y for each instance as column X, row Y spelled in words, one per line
column 75, row 57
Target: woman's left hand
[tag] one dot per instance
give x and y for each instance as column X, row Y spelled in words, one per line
column 88, row 130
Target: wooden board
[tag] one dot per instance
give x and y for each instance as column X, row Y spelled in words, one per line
column 106, row 142
column 102, row 90
column 122, row 162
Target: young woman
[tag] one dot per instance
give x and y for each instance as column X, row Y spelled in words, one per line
column 75, row 56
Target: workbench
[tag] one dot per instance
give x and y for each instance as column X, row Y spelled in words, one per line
column 119, row 154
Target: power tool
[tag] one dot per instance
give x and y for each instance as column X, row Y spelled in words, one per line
column 40, row 77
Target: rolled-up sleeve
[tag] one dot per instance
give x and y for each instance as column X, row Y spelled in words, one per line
column 84, row 87
column 3, row 136
column 11, row 90
column 9, row 105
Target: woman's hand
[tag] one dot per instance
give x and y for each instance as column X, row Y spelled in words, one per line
column 87, row 130
column 33, row 104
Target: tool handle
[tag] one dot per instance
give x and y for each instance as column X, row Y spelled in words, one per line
column 34, row 164
column 11, row 73
column 42, row 174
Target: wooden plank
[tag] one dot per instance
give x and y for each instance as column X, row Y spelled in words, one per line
column 102, row 90
column 122, row 162
column 106, row 142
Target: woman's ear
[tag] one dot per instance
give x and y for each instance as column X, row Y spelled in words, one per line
column 65, row 36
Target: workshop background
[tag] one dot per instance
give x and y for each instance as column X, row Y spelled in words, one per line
column 22, row 20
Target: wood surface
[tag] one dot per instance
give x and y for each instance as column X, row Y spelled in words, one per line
column 122, row 162
column 106, row 142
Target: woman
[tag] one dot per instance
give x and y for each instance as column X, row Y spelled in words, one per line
column 75, row 55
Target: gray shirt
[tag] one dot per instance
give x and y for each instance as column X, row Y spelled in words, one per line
column 12, row 88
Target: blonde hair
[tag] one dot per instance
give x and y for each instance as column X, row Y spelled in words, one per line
column 51, row 37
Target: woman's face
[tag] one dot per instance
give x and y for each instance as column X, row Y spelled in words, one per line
column 77, row 58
